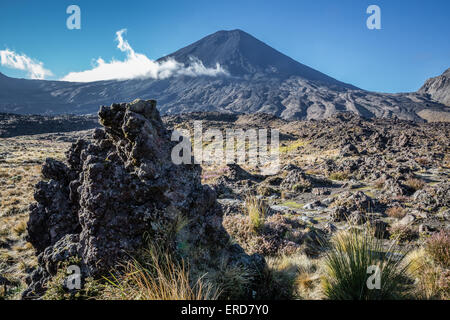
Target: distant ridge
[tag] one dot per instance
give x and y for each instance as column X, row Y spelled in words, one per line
column 438, row 88
column 261, row 79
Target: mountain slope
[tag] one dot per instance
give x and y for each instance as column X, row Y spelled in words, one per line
column 261, row 80
column 438, row 88
column 243, row 55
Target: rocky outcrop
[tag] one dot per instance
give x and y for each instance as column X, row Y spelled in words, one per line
column 433, row 197
column 349, row 206
column 438, row 88
column 98, row 206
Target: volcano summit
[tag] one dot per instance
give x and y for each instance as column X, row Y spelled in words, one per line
column 258, row 78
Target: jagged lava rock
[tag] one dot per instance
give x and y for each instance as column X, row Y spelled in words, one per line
column 118, row 188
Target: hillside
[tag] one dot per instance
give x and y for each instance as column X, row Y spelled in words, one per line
column 260, row 79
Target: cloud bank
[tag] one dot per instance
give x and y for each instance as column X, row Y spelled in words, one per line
column 138, row 65
column 14, row 60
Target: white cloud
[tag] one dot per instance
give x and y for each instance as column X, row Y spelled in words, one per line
column 14, row 60
column 137, row 65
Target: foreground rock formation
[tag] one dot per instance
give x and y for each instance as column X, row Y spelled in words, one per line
column 119, row 188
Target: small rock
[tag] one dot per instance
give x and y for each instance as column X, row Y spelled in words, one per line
column 281, row 209
column 313, row 205
column 308, row 220
column 356, row 218
column 348, row 150
column 338, row 214
column 288, row 195
column 406, row 220
column 329, row 227
column 231, row 206
column 446, row 214
column 380, row 229
column 423, row 228
column 422, row 214
column 327, row 201
column 320, row 191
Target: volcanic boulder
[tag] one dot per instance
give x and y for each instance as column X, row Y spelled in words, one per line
column 117, row 189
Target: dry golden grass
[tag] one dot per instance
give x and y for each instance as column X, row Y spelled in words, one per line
column 20, row 170
column 16, row 188
column 438, row 248
column 299, row 275
column 160, row 277
column 20, row 228
column 257, row 210
column 16, row 255
column 415, row 184
column 379, row 183
column 294, row 146
column 396, row 212
column 339, row 175
column 432, row 281
column 423, row 161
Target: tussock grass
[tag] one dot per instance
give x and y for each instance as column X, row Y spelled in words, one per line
column 296, row 276
column 396, row 212
column 158, row 276
column 257, row 210
column 402, row 233
column 432, row 281
column 415, row 184
column 352, row 252
column 339, row 176
column 379, row 183
column 233, row 280
column 294, row 146
column 20, row 228
column 438, row 248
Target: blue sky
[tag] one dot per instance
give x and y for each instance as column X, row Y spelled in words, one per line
column 330, row 36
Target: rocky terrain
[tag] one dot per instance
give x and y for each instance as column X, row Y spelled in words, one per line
column 116, row 183
column 345, row 166
column 438, row 88
column 12, row 125
column 259, row 79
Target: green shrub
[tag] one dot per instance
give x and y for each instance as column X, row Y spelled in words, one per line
column 352, row 252
column 402, row 233
column 339, row 175
column 257, row 210
column 302, row 187
column 233, row 280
